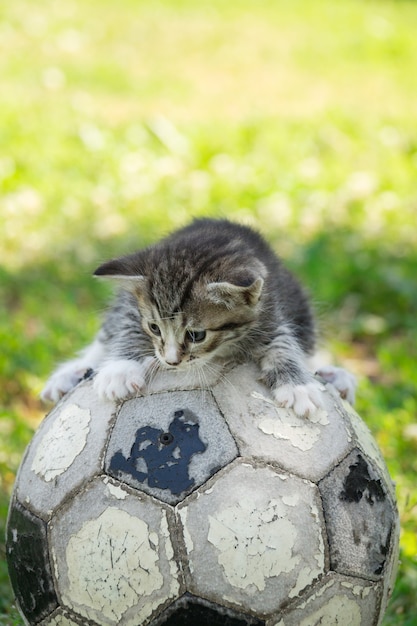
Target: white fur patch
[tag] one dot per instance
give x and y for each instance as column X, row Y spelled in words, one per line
column 121, row 378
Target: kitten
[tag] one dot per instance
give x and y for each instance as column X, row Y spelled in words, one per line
column 210, row 293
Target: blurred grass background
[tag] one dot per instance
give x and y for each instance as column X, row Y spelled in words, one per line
column 121, row 120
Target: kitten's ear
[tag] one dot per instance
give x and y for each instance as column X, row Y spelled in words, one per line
column 117, row 271
column 231, row 296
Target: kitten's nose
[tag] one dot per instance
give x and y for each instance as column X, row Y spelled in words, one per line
column 172, row 363
column 172, row 356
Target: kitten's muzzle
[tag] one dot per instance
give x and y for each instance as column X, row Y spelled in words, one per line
column 173, row 363
column 169, row 361
column 172, row 355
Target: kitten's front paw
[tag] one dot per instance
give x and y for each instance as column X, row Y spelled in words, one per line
column 120, row 379
column 341, row 379
column 63, row 380
column 305, row 400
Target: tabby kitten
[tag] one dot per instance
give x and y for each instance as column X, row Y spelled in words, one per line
column 212, row 292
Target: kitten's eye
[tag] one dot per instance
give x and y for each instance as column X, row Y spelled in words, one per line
column 154, row 328
column 196, row 335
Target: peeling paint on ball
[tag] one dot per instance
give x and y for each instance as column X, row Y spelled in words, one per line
column 211, row 505
column 62, row 443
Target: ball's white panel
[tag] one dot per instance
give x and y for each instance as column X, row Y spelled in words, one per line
column 255, row 538
column 62, row 443
column 167, row 444
column 339, row 608
column 65, row 451
column 113, row 558
column 120, row 546
column 307, row 447
column 339, row 600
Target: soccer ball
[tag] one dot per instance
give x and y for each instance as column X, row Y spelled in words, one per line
column 202, row 504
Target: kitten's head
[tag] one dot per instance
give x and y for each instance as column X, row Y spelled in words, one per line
column 190, row 318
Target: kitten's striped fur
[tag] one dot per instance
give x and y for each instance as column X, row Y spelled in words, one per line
column 211, row 292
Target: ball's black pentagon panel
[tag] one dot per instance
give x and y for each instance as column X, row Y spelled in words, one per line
column 169, row 444
column 28, row 562
column 360, row 517
column 192, row 611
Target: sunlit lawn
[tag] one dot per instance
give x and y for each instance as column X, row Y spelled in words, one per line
column 121, row 120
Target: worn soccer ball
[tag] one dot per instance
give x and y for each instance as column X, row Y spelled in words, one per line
column 208, row 506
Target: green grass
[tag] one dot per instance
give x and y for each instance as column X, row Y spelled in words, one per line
column 122, row 120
